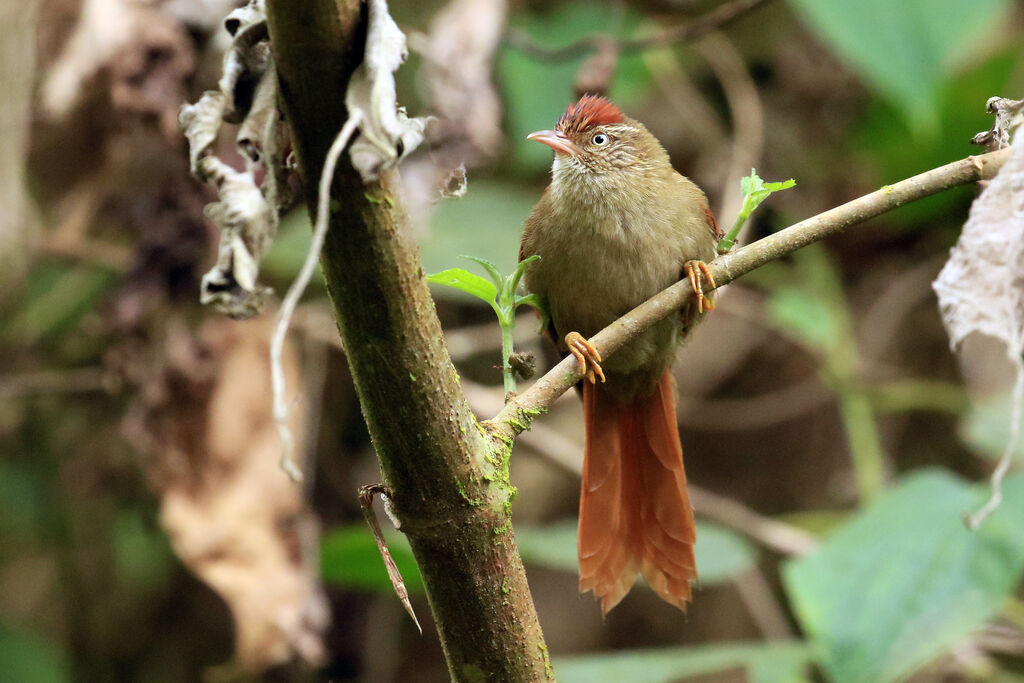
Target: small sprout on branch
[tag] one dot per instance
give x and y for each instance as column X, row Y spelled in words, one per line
column 500, row 293
column 755, row 191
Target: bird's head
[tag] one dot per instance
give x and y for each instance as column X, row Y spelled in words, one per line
column 593, row 138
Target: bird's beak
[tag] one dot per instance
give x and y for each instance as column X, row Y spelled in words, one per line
column 555, row 140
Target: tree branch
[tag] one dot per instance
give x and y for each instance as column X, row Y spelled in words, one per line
column 518, row 413
column 448, row 480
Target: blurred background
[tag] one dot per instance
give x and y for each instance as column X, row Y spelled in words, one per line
column 833, row 440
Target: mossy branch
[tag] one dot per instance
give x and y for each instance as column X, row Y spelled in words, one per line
column 519, row 413
column 448, row 480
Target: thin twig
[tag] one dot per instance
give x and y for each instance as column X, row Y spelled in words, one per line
column 366, row 494
column 771, row 533
column 691, row 30
column 763, row 606
column 519, row 413
column 295, row 292
column 757, row 411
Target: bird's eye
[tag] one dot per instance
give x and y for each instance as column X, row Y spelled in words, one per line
column 600, row 139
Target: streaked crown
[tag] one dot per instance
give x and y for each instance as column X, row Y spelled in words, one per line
column 590, row 111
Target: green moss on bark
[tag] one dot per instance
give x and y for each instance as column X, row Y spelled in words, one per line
column 449, row 479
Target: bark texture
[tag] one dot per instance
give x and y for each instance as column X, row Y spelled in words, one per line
column 447, row 476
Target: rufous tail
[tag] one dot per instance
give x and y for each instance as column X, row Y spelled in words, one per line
column 635, row 514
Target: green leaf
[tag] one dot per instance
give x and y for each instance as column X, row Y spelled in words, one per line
column 518, row 275
column 349, row 557
column 541, row 306
column 810, row 305
column 533, row 300
column 903, row 48
column 986, row 429
column 721, row 555
column 26, row 658
column 754, row 191
column 491, row 269
column 778, row 662
column 468, row 282
column 807, row 317
column 905, row 579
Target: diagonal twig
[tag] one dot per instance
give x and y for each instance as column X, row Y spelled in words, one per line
column 518, row 414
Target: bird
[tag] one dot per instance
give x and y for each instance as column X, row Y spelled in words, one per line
column 616, row 225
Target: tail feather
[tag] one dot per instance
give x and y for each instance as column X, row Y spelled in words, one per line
column 635, row 514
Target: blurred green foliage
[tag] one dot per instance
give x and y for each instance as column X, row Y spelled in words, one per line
column 986, row 429
column 904, row 49
column 778, row 662
column 349, row 555
column 721, row 554
column 807, row 303
column 884, row 139
column 894, row 584
column 55, row 299
column 905, row 578
column 26, row 658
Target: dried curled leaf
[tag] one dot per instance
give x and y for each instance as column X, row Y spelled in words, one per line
column 201, row 122
column 1009, row 114
column 248, row 225
column 246, row 213
column 387, row 134
column 981, row 287
column 248, row 60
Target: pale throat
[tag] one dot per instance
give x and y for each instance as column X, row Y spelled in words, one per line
column 579, row 189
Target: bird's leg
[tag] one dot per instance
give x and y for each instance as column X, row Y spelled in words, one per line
column 694, row 270
column 587, row 355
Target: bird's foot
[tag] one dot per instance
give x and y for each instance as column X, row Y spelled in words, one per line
column 694, row 270
column 587, row 355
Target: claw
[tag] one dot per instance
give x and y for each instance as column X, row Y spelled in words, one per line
column 587, row 355
column 694, row 270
